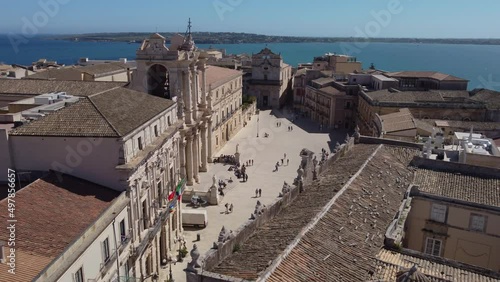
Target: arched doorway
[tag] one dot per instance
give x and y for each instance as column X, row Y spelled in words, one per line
column 158, row 81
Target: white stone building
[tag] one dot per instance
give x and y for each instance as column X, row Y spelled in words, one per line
column 271, row 79
column 140, row 144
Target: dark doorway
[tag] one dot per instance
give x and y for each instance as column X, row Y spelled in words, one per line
column 265, row 101
column 158, row 81
column 227, row 133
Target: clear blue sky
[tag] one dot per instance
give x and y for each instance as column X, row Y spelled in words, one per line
column 417, row 18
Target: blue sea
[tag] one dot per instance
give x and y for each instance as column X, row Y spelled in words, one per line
column 478, row 63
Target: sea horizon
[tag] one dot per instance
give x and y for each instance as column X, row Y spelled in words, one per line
column 469, row 61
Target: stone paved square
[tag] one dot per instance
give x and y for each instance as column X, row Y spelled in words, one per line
column 265, row 152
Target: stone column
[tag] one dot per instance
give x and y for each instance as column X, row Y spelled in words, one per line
column 189, row 160
column 187, row 96
column 196, row 155
column 194, row 91
column 182, row 159
column 204, row 86
column 204, row 157
column 209, row 140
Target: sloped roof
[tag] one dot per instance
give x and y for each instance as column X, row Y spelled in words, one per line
column 113, row 113
column 402, row 120
column 216, row 76
column 37, row 87
column 425, row 74
column 105, row 68
column 468, row 188
column 324, row 80
column 52, row 213
column 389, row 263
column 65, row 73
column 489, row 97
column 342, row 245
column 270, row 240
column 418, row 96
column 331, row 91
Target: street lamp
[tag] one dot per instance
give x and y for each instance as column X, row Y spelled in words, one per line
column 258, row 115
column 170, row 277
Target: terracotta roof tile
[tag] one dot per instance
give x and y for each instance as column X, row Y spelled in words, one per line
column 402, row 120
column 342, row 245
column 113, row 113
column 425, row 74
column 217, row 76
column 50, row 215
column 469, row 188
column 390, row 262
column 419, row 96
column 80, row 119
column 270, row 240
column 36, row 87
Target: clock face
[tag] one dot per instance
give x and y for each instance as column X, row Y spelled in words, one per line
column 156, row 47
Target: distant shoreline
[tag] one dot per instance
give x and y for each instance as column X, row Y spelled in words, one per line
column 245, row 38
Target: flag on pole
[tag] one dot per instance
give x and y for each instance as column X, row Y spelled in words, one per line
column 178, row 190
column 171, row 196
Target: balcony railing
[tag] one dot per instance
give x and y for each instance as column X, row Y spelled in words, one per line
column 156, row 226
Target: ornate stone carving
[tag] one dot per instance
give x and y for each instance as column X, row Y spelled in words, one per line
column 356, row 134
column 224, row 235
column 286, row 189
column 259, row 209
column 193, row 264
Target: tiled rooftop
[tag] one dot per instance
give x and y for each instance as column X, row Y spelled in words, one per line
column 389, row 263
column 64, row 73
column 105, row 68
column 269, row 241
column 112, row 113
column 37, row 87
column 50, row 215
column 331, row 91
column 475, row 189
column 342, row 245
column 425, row 74
column 465, row 125
column 402, row 120
column 217, row 76
column 490, row 97
column 417, row 96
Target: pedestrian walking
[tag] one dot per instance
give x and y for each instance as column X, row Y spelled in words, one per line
column 231, row 208
column 260, row 192
column 276, row 167
column 227, row 207
column 246, row 175
column 256, row 193
column 287, row 161
column 281, row 161
column 252, row 162
column 284, row 155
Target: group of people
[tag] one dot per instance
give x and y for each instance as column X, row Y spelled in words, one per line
column 290, row 128
column 226, row 159
column 249, row 162
column 258, row 193
column 276, row 167
column 229, row 208
column 278, row 124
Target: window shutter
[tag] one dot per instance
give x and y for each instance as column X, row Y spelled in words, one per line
column 103, row 256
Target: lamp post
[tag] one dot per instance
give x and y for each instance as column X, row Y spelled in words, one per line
column 170, row 277
column 258, row 118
